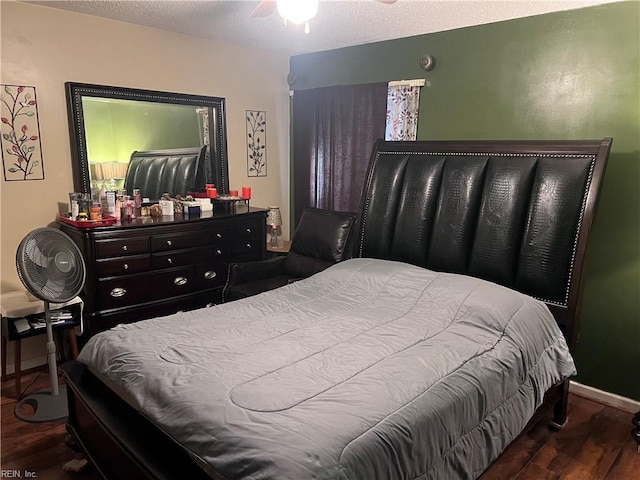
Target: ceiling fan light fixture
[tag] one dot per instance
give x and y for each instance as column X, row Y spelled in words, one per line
column 297, row 11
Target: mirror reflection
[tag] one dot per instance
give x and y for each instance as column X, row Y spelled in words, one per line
column 154, row 141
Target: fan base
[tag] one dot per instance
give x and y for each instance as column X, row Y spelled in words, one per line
column 47, row 407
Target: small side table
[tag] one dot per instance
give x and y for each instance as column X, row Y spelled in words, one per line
column 278, row 251
column 10, row 332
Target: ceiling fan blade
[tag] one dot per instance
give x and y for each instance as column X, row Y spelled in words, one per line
column 264, row 9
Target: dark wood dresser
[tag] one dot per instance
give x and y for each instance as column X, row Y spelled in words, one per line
column 154, row 266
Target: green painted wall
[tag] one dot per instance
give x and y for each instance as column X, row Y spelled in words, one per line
column 565, row 75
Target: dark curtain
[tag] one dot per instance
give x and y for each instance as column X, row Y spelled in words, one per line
column 334, row 129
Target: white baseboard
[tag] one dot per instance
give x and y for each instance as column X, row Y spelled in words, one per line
column 611, row 399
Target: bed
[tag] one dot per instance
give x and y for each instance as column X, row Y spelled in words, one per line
column 422, row 357
column 173, row 171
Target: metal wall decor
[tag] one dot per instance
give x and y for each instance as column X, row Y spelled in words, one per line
column 256, row 143
column 21, row 147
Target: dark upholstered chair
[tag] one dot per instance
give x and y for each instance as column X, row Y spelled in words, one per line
column 322, row 238
column 174, row 171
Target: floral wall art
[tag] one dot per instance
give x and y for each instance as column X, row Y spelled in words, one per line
column 256, row 143
column 403, row 103
column 21, row 148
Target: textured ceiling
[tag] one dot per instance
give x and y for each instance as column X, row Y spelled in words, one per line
column 338, row 23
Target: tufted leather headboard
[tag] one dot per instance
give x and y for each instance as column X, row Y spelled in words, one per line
column 514, row 213
column 174, row 171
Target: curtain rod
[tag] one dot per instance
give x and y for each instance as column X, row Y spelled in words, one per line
column 419, row 82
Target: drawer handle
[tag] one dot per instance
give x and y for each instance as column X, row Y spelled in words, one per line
column 179, row 281
column 169, row 242
column 218, row 235
column 117, row 292
column 125, row 266
column 208, row 275
column 248, row 245
column 124, row 247
column 248, row 230
column 219, row 252
column 169, row 261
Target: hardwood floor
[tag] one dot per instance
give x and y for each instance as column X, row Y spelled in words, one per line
column 595, row 445
column 34, row 447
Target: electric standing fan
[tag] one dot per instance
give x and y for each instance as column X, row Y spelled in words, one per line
column 52, row 269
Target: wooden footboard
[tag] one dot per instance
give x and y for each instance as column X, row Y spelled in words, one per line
column 117, row 440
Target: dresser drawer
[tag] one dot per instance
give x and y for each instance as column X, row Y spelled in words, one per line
column 123, row 265
column 248, row 238
column 247, row 246
column 249, row 230
column 210, row 275
column 208, row 298
column 188, row 257
column 104, row 321
column 176, row 241
column 147, row 287
column 121, row 246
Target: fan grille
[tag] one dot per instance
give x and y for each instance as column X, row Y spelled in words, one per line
column 50, row 265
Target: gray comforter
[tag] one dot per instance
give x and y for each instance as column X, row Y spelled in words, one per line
column 369, row 370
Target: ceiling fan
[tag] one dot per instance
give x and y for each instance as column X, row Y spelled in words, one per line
column 295, row 11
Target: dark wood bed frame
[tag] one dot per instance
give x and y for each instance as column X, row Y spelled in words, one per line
column 122, row 443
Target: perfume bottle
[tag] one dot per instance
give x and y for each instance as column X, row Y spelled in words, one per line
column 137, row 202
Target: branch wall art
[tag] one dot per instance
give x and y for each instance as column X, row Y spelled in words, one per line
column 256, row 143
column 21, row 147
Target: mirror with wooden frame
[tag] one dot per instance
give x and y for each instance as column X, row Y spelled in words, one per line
column 107, row 124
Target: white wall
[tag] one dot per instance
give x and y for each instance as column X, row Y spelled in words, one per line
column 46, row 47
